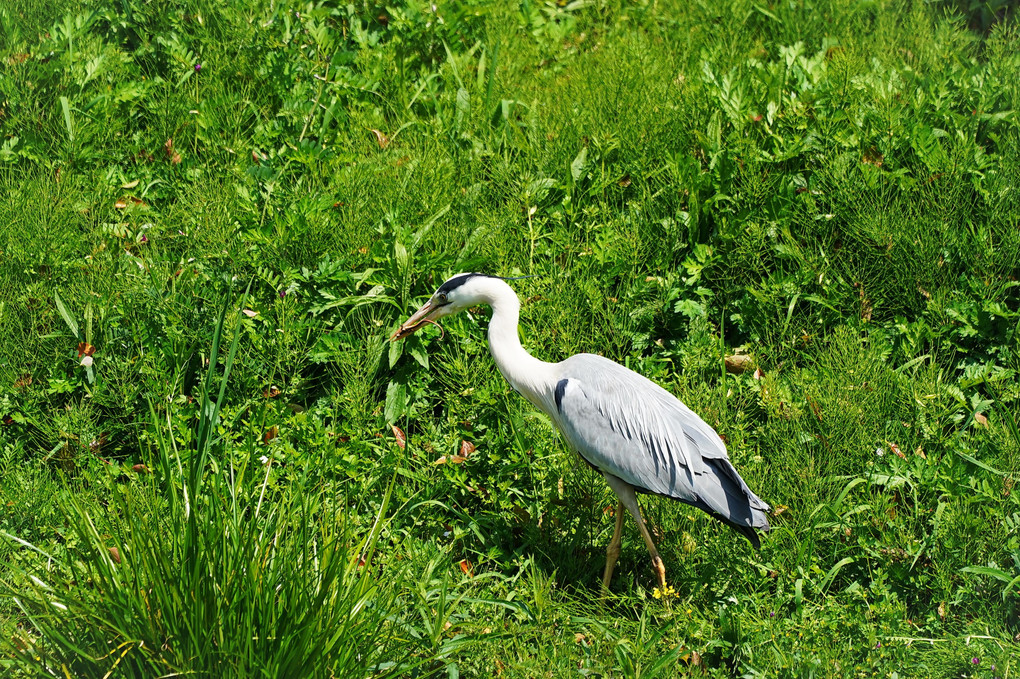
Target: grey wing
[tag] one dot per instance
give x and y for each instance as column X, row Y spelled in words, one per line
column 628, row 426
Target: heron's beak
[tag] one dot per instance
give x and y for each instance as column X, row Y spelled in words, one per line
column 421, row 317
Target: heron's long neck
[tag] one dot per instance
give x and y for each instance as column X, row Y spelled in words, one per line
column 530, row 376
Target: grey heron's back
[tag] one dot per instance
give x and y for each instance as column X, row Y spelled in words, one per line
column 626, row 425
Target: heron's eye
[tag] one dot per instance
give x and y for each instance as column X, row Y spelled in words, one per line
column 441, row 298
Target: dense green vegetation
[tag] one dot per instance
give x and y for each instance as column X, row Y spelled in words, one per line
column 212, row 216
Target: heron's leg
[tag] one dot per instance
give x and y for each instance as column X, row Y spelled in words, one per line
column 628, row 498
column 660, row 568
column 613, row 551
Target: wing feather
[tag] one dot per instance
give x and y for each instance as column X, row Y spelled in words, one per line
column 628, row 426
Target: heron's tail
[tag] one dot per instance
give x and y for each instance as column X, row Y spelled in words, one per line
column 724, row 495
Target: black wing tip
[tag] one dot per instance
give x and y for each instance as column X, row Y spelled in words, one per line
column 752, row 536
column 748, row 531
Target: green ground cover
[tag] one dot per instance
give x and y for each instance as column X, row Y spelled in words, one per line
column 213, row 214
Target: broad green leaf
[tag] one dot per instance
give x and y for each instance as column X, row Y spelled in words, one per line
column 68, row 318
column 579, row 165
column 396, row 401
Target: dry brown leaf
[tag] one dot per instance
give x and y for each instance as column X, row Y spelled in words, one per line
column 120, row 204
column 942, row 610
column 466, row 448
column 114, row 554
column 981, row 419
column 758, row 374
column 578, row 638
column 815, row 408
column 24, row 381
column 866, row 307
column 920, row 453
column 465, row 568
column 624, row 181
column 779, row 509
column 521, row 513
column 8, row 420
column 398, row 433
column 381, row 138
column 140, row 469
column 85, row 349
column 272, row 392
column 256, row 158
column 872, row 157
column 896, row 450
column 171, row 154
column 739, row 363
column 249, row 313
column 271, row 434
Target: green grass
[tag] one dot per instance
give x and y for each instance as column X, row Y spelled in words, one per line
column 831, row 187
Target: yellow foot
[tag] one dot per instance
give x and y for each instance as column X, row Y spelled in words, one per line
column 660, row 570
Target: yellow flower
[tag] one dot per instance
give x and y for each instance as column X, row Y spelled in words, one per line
column 666, row 591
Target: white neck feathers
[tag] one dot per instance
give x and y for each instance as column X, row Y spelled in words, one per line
column 533, row 378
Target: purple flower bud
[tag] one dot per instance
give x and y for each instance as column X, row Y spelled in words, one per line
column 283, row 293
column 144, row 239
column 878, row 645
column 198, row 67
column 772, row 614
column 975, row 661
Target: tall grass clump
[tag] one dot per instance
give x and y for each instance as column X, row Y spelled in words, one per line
column 204, row 568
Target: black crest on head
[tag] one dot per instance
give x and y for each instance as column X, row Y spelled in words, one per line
column 457, row 281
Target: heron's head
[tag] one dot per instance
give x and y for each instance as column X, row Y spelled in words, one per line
column 460, row 292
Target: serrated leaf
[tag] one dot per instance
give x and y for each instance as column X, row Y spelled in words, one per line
column 925, row 143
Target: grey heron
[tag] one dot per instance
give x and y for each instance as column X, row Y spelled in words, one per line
column 638, row 435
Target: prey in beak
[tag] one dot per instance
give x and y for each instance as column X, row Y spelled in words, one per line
column 422, row 317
